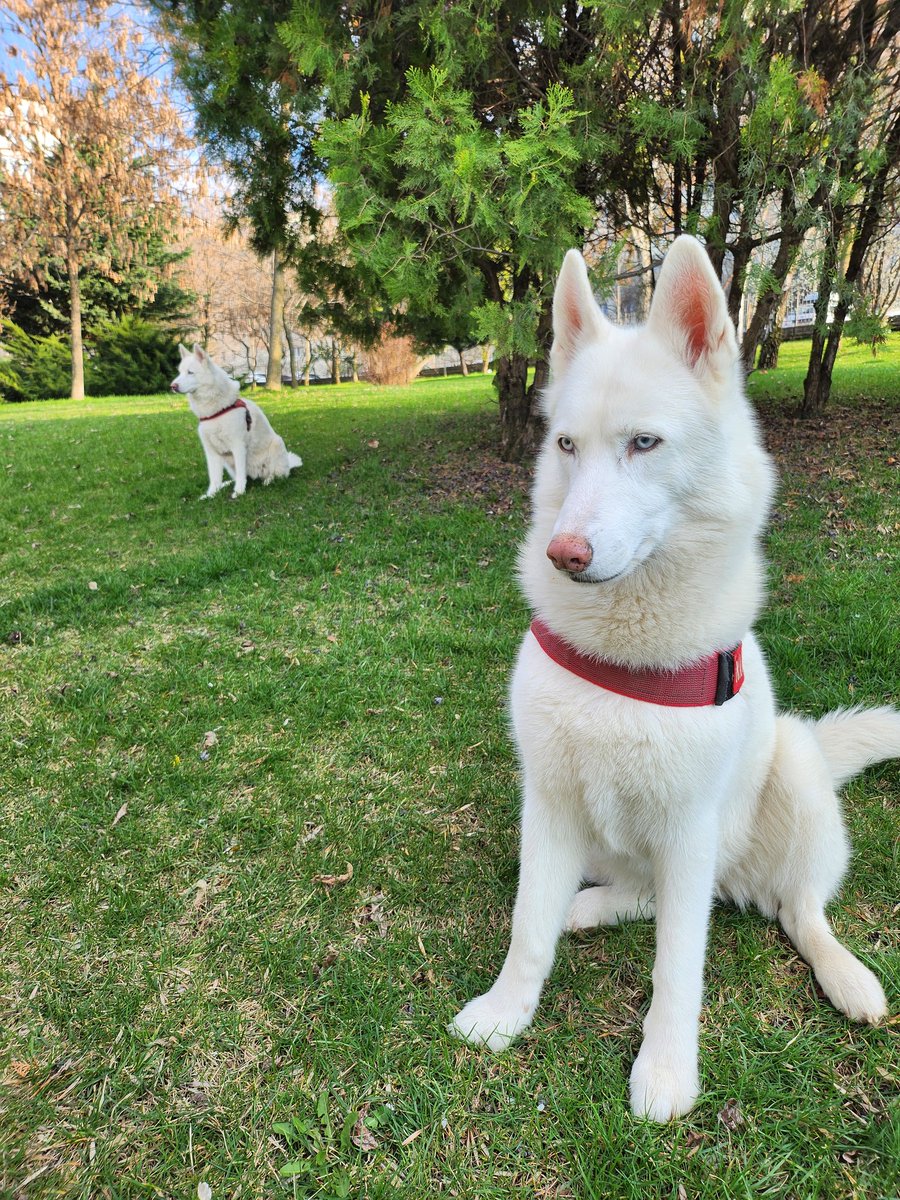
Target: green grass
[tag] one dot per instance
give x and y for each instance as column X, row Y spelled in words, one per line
column 858, row 375
column 184, row 993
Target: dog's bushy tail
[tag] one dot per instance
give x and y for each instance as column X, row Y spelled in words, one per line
column 854, row 738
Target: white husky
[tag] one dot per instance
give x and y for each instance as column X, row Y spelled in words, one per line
column 235, row 433
column 643, row 562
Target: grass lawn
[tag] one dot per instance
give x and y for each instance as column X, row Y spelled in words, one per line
column 259, row 824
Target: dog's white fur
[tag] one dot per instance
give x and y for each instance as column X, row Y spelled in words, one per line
column 663, row 809
column 254, row 453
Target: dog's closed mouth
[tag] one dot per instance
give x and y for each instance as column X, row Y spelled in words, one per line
column 581, row 577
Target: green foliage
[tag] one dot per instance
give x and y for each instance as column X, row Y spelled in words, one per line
column 144, row 286
column 131, row 357
column 33, row 368
column 255, row 112
column 470, row 144
column 866, row 325
column 428, row 193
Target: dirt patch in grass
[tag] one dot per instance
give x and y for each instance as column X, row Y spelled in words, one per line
column 480, row 475
column 841, row 440
column 834, row 445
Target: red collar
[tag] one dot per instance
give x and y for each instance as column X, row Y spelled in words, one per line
column 712, row 680
column 239, row 403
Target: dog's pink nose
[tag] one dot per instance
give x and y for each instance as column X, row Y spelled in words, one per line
column 174, row 387
column 570, row 553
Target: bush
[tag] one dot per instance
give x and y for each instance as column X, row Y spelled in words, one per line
column 34, row 368
column 393, row 360
column 130, row 357
column 866, row 326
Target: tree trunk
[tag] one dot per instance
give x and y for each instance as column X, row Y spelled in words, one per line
column 485, row 359
column 770, row 346
column 307, row 364
column 516, row 417
column 542, row 363
column 813, row 400
column 77, row 389
column 810, row 404
column 463, row 365
column 354, row 362
column 206, row 321
column 292, row 352
column 276, row 321
column 769, row 305
column 740, row 260
column 866, row 226
column 335, row 360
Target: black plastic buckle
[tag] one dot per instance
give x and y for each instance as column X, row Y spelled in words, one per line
column 725, row 679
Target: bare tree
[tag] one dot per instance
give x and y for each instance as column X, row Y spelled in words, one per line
column 88, row 146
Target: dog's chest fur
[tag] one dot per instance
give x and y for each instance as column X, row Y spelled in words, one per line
column 628, row 770
column 221, row 433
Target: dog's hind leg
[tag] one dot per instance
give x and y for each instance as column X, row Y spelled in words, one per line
column 609, row 904
column 802, row 847
column 850, row 986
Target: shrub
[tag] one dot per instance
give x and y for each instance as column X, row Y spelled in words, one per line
column 866, row 326
column 130, row 357
column 393, row 360
column 33, row 368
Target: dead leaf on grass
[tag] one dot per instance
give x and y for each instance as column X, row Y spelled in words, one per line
column 372, row 913
column 333, row 880
column 362, row 1137
column 18, row 1070
column 210, row 739
column 329, row 959
column 119, row 815
column 731, row 1115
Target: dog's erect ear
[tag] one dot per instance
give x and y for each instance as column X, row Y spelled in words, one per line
column 576, row 318
column 183, row 350
column 689, row 310
column 199, row 353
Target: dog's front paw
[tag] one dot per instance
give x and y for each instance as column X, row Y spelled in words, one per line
column 662, row 1085
column 236, row 494
column 491, row 1021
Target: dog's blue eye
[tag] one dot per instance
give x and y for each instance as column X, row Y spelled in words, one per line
column 644, row 442
column 566, row 444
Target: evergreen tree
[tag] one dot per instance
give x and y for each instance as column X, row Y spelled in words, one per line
column 462, row 156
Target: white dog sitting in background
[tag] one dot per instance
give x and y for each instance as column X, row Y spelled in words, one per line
column 235, row 433
column 656, row 768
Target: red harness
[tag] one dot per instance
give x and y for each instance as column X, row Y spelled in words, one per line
column 239, row 403
column 712, row 680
